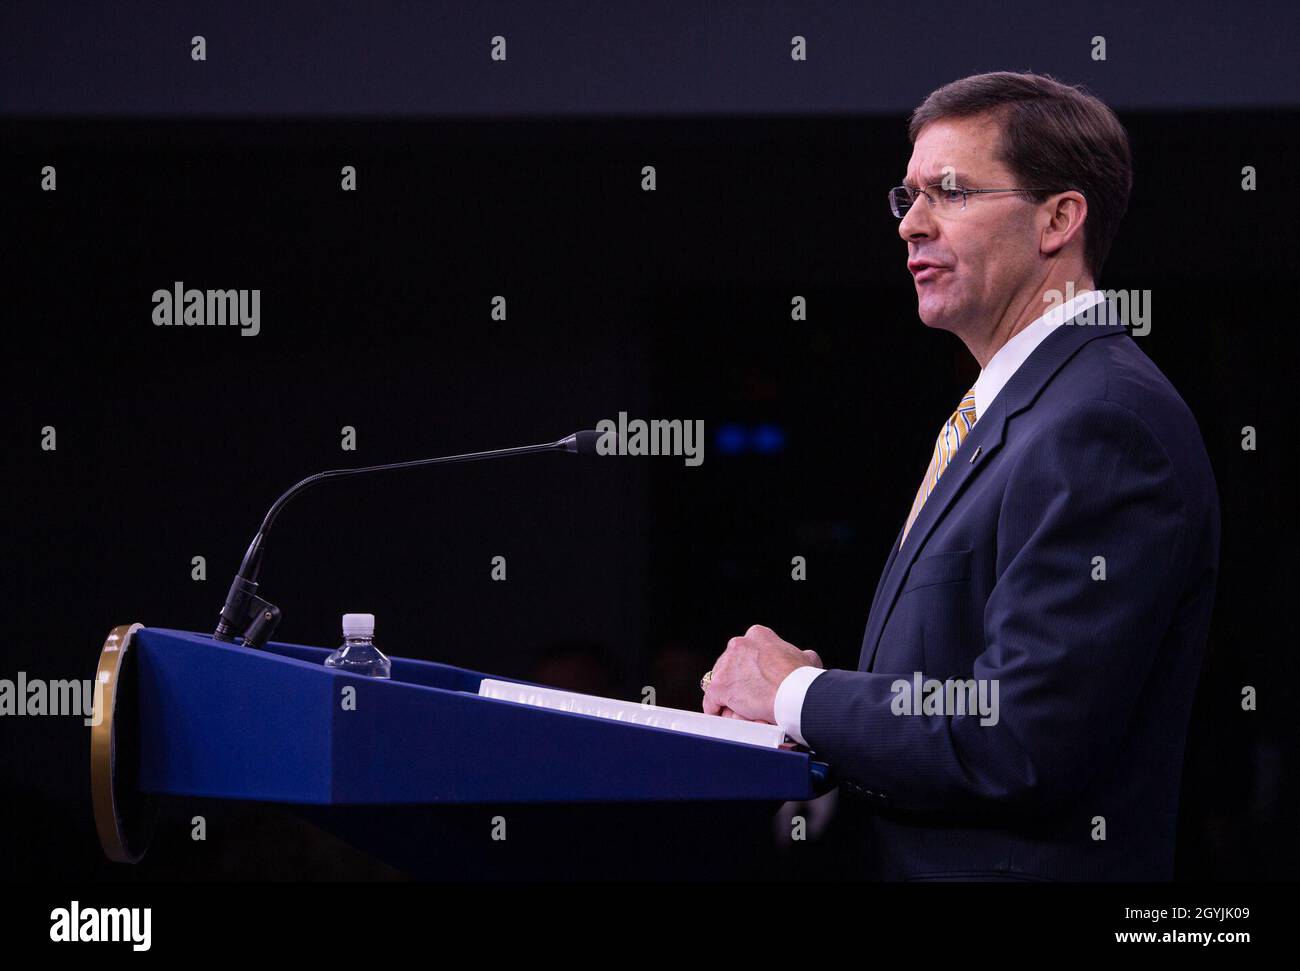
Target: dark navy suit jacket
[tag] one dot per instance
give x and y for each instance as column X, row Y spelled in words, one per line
column 1086, row 452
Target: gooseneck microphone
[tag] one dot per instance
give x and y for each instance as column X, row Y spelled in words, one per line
column 246, row 614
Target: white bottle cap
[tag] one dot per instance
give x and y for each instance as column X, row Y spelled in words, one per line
column 358, row 625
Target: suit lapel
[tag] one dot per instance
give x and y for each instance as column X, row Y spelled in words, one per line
column 974, row 453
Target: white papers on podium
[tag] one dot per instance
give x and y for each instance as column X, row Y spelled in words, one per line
column 674, row 719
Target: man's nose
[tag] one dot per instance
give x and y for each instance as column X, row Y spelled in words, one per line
column 917, row 222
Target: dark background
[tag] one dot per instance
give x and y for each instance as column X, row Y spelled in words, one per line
column 172, row 441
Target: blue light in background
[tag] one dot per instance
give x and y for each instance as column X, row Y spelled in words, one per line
column 736, row 439
column 729, row 439
column 767, row 439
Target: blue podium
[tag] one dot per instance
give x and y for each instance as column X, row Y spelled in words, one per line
column 376, row 761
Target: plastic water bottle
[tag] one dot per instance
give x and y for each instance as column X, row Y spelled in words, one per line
column 358, row 655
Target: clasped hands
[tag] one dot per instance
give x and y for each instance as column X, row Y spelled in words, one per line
column 748, row 673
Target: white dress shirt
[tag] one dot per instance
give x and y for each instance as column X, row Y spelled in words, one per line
column 1003, row 364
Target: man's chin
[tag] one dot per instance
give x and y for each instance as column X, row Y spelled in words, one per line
column 934, row 317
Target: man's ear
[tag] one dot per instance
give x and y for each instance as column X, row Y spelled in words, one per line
column 1066, row 214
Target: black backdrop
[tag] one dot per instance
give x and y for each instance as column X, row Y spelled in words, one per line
column 375, row 313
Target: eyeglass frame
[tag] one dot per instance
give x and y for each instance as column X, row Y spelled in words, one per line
column 958, row 188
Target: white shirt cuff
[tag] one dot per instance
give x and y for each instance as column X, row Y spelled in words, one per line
column 789, row 699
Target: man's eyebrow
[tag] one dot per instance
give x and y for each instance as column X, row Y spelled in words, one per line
column 958, row 177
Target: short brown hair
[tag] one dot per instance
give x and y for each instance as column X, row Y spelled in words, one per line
column 1054, row 136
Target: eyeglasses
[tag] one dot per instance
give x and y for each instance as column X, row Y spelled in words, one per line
column 944, row 199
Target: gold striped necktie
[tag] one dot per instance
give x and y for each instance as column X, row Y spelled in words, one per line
column 953, row 433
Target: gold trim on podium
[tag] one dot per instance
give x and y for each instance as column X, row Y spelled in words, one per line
column 123, row 816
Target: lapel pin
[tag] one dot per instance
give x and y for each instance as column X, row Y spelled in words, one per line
column 976, row 454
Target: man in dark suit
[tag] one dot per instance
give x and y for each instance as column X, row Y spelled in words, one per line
column 1021, row 701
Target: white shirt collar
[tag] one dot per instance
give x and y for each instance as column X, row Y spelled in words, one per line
column 1014, row 352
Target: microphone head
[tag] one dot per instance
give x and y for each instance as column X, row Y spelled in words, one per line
column 582, row 443
column 586, row 441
